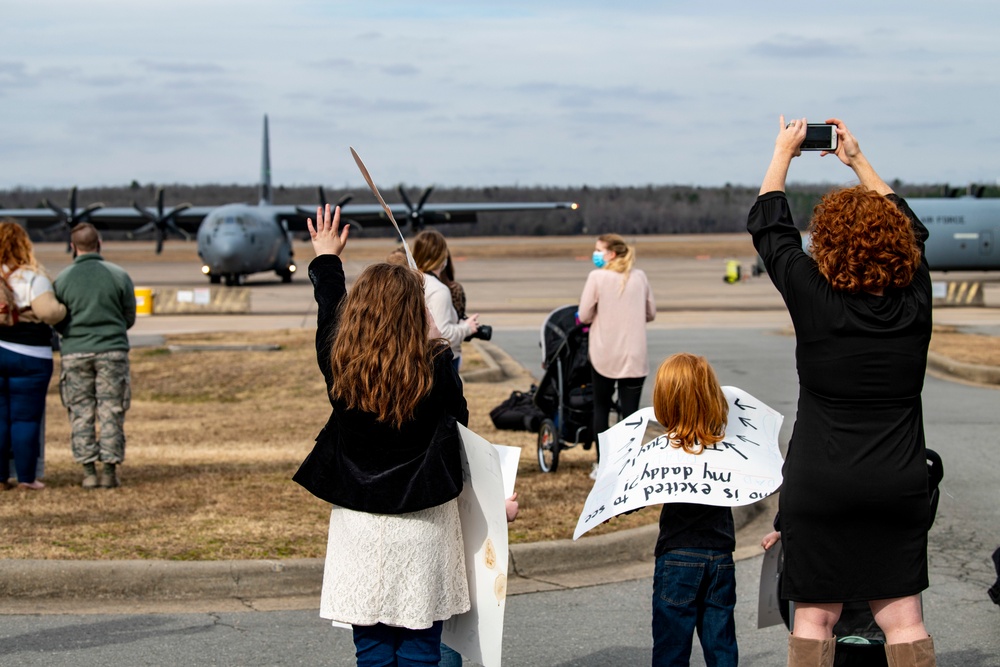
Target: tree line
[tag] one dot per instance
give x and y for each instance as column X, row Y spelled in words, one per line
column 630, row 210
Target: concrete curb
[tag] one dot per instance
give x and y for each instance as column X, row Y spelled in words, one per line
column 161, row 580
column 540, row 559
column 157, row 580
column 963, row 371
column 500, row 366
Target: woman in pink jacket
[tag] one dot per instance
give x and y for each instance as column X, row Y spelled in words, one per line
column 617, row 301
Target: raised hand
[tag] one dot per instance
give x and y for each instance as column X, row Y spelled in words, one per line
column 327, row 237
column 790, row 137
column 847, row 146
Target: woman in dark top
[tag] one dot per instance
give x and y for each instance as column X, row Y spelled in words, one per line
column 854, row 504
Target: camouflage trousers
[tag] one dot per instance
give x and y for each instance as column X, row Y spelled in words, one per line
column 96, row 391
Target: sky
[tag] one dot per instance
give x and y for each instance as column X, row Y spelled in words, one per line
column 465, row 93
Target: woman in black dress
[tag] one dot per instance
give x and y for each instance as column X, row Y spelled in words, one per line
column 854, row 504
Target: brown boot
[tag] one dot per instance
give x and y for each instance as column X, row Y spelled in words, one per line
column 810, row 652
column 89, row 476
column 914, row 654
column 109, row 477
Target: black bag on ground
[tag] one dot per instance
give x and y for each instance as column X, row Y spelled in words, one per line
column 518, row 412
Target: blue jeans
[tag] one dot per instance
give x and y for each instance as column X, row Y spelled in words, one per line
column 24, row 381
column 450, row 657
column 382, row 645
column 694, row 589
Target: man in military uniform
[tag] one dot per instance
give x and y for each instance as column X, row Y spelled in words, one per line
column 94, row 383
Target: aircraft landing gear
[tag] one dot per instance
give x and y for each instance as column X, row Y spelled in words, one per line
column 214, row 279
column 233, row 279
column 286, row 276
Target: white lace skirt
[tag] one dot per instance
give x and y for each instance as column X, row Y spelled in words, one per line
column 404, row 570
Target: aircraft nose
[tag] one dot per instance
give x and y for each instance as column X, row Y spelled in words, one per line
column 225, row 254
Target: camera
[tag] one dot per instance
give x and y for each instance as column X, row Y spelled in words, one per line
column 484, row 332
column 820, row 137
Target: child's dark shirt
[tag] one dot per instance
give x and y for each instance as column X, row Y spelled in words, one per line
column 695, row 526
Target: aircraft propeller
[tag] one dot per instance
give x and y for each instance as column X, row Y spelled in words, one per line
column 162, row 223
column 418, row 219
column 306, row 213
column 73, row 217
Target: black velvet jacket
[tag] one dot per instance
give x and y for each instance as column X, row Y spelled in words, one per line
column 370, row 466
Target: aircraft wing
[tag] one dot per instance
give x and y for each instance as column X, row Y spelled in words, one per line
column 118, row 218
column 372, row 215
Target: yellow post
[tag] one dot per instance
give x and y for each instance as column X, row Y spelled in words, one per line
column 143, row 301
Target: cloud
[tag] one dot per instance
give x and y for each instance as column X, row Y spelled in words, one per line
column 14, row 75
column 333, row 63
column 788, row 47
column 574, row 96
column 376, row 105
column 400, row 70
column 179, row 67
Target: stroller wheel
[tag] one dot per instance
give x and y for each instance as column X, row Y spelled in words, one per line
column 548, row 446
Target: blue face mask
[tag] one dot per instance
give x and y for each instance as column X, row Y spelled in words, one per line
column 599, row 259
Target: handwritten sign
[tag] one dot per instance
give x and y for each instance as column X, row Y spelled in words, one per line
column 478, row 633
column 639, row 467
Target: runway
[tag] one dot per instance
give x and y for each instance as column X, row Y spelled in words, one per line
column 511, row 283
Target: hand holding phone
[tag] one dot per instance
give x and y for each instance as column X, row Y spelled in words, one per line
column 820, row 137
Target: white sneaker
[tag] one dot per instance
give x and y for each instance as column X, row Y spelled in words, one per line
column 593, row 472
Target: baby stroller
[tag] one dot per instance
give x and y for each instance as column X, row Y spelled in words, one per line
column 564, row 394
column 860, row 640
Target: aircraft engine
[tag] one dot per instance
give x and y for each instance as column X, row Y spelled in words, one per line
column 162, row 223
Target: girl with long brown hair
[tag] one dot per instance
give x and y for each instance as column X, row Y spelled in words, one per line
column 25, row 355
column 694, row 585
column 388, row 459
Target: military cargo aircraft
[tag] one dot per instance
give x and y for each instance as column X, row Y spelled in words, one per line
column 963, row 232
column 236, row 240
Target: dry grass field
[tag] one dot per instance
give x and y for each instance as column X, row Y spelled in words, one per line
column 214, row 438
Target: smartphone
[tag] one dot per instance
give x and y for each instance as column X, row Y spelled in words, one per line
column 820, row 137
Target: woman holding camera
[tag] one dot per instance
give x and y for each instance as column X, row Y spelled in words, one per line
column 854, row 504
column 617, row 301
column 430, row 252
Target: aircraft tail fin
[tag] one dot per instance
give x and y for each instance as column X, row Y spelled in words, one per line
column 265, row 169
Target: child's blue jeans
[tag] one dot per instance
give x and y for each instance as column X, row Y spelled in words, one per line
column 382, row 645
column 694, row 589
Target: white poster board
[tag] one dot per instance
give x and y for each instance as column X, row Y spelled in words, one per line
column 639, row 467
column 478, row 633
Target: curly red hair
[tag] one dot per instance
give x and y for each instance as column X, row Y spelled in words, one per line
column 862, row 242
